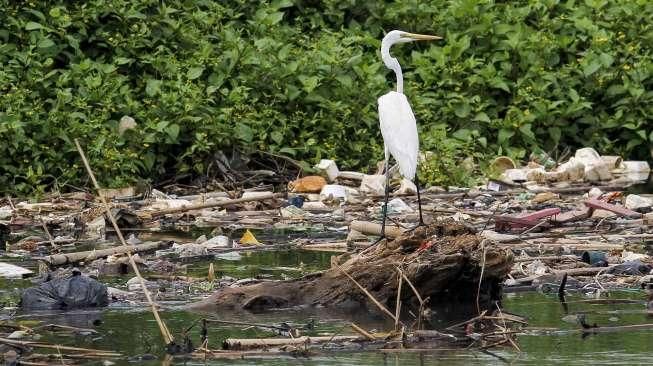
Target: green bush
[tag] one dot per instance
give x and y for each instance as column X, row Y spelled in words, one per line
column 301, row 78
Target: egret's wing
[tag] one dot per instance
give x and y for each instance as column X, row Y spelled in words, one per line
column 399, row 131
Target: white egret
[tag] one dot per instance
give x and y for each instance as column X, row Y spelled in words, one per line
column 398, row 126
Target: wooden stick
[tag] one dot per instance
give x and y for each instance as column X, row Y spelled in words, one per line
column 167, row 337
column 17, row 343
column 55, row 327
column 374, row 300
column 275, row 327
column 202, row 206
column 252, row 343
column 67, row 258
column 479, row 317
column 363, row 332
column 47, row 232
column 547, row 258
column 588, row 271
column 419, row 297
column 400, row 280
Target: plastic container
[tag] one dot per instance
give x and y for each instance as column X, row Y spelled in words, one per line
column 594, row 257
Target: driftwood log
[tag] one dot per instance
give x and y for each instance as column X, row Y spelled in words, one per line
column 443, row 261
column 90, row 255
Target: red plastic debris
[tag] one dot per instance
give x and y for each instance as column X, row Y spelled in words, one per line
column 505, row 222
column 574, row 215
column 425, row 245
column 593, row 203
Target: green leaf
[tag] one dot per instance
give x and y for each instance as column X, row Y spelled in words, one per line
column 284, row 51
column 504, row 135
column 462, row 110
column 309, row 82
column 482, row 117
column 244, row 132
column 288, row 150
column 55, row 12
column 345, row 80
column 499, row 84
column 277, row 137
column 149, row 159
column 194, row 72
column 292, row 92
column 525, row 130
column 606, row 59
column 153, row 87
column 274, row 18
column 161, row 126
column 122, row 60
column 45, row 43
column 462, row 134
column 574, row 95
column 591, row 68
column 280, row 4
column 173, row 131
column 632, row 143
column 107, row 68
column 642, row 134
column 32, row 26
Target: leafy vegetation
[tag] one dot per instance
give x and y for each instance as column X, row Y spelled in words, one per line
column 301, row 78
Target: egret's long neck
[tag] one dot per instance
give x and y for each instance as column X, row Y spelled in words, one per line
column 392, row 64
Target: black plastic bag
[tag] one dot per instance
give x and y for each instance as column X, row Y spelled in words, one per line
column 74, row 292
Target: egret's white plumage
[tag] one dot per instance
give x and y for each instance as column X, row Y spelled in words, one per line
column 399, row 131
column 398, row 125
column 397, row 121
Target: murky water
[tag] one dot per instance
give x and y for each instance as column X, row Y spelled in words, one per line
column 134, row 332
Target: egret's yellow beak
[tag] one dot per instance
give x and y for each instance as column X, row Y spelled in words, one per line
column 420, row 37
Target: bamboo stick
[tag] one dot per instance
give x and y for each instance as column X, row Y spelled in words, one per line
column 167, row 337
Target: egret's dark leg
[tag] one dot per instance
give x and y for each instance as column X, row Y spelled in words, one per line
column 419, row 202
column 419, row 205
column 385, row 201
column 384, row 210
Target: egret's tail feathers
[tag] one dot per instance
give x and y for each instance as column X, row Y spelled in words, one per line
column 408, row 172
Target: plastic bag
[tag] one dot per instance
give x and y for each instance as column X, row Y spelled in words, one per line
column 74, row 292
